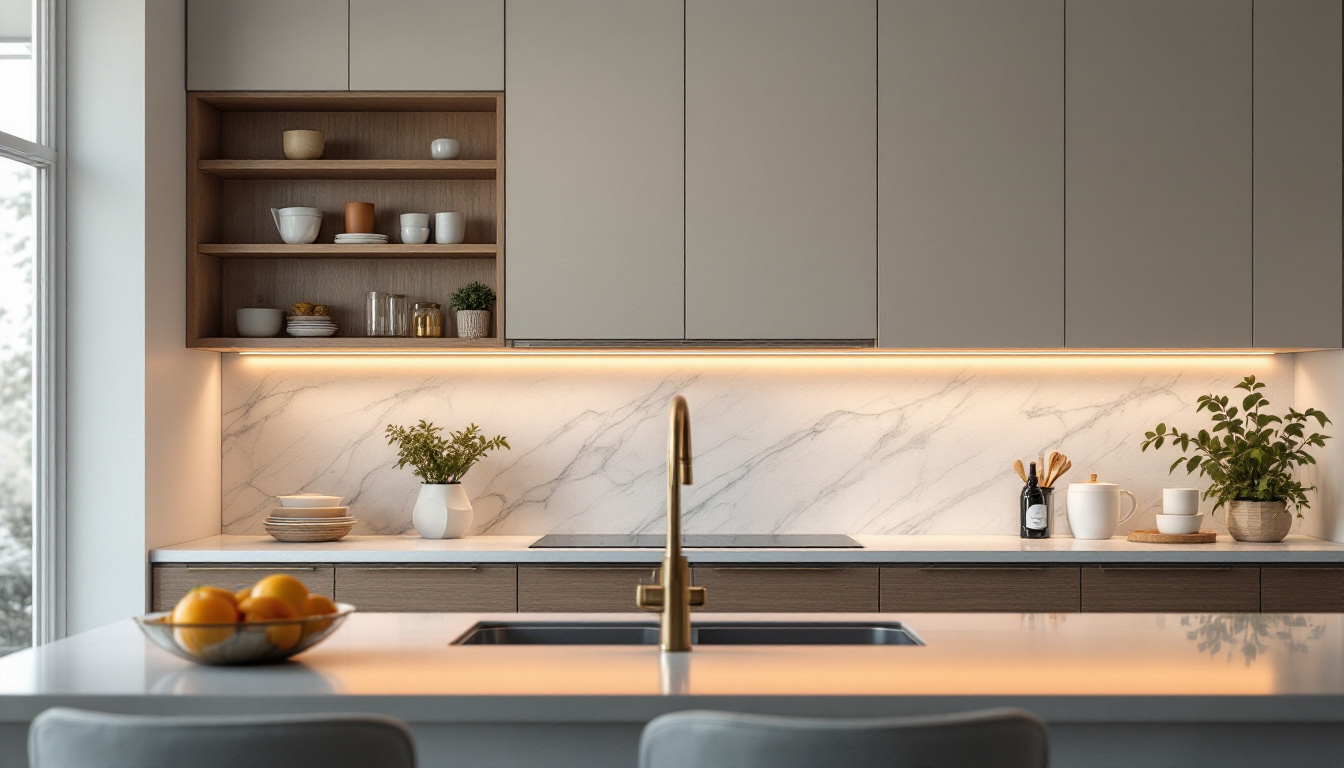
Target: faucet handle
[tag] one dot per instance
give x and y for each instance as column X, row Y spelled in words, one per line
column 650, row 597
column 696, row 595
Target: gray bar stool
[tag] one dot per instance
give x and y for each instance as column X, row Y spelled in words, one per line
column 994, row 738
column 73, row 738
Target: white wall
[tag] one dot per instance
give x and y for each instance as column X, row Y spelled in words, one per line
column 1320, row 384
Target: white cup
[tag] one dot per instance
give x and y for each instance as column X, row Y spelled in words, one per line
column 1180, row 501
column 259, row 323
column 297, row 226
column 415, row 219
column 415, row 235
column 449, row 227
column 444, row 149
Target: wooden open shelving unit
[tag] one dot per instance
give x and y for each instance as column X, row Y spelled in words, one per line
column 377, row 150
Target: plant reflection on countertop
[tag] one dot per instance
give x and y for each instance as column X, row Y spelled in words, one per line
column 443, row 509
column 1252, row 633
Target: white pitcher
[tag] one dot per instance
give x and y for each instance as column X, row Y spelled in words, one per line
column 298, row 226
column 1094, row 509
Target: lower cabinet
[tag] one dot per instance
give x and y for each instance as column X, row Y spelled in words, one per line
column 1290, row 589
column 171, row 582
column 987, row 588
column 788, row 590
column 562, row 589
column 1194, row 589
column 428, row 588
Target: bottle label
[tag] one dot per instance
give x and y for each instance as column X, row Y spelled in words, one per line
column 1036, row 517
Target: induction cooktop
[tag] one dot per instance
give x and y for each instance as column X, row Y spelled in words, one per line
column 697, row 541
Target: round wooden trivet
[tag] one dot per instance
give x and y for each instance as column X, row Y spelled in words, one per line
column 1153, row 536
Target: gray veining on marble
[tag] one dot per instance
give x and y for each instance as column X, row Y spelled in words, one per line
column 869, row 446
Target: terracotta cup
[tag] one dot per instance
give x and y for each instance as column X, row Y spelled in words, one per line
column 358, row 217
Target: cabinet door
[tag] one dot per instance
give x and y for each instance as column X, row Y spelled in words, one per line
column 1298, row 174
column 1302, row 590
column 428, row 588
column 549, row 589
column 426, row 45
column 937, row 588
column 1192, row 589
column 788, row 590
column 595, row 172
column 263, row 45
column 781, row 191
column 971, row 173
column 171, row 582
column 1158, row 173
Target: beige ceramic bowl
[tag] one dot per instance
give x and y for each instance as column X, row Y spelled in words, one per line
column 304, row 145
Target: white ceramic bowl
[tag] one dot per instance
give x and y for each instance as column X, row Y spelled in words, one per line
column 415, row 220
column 310, row 513
column 309, row 500
column 415, row 235
column 260, row 323
column 444, row 149
column 1177, row 524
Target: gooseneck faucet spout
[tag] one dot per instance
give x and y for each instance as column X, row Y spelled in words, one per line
column 673, row 596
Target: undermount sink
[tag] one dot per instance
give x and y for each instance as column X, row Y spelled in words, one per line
column 706, row 633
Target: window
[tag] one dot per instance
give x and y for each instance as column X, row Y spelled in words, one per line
column 28, row 176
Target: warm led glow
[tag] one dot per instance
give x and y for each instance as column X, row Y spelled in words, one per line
column 848, row 354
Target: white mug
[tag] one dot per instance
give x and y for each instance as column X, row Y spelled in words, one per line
column 449, row 227
column 444, row 149
column 1180, row 501
column 297, row 226
column 1094, row 509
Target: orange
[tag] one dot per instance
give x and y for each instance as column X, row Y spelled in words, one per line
column 217, row 592
column 266, row 608
column 203, row 608
column 318, row 605
column 242, row 594
column 285, row 587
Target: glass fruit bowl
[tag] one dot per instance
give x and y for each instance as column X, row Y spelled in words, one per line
column 251, row 642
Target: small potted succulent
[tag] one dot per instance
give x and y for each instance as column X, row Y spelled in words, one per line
column 1251, row 463
column 472, row 302
column 443, row 509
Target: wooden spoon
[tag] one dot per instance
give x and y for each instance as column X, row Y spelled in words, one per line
column 1065, row 468
column 1021, row 470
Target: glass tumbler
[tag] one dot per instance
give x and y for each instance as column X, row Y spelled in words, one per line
column 375, row 311
column 428, row 320
column 398, row 321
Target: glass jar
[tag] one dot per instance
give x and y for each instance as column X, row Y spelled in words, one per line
column 398, row 320
column 428, row 320
column 375, row 315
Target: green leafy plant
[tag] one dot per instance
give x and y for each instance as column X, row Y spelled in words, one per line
column 472, row 296
column 438, row 460
column 1248, row 455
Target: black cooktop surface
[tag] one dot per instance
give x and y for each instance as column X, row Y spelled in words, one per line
column 697, row 541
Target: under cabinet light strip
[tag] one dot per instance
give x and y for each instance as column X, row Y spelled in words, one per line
column 847, row 354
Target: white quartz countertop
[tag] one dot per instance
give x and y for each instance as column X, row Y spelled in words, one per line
column 876, row 550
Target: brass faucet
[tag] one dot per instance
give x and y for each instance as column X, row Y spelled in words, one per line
column 673, row 596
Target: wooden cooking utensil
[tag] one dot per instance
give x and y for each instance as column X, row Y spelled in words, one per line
column 1062, row 469
column 1021, row 470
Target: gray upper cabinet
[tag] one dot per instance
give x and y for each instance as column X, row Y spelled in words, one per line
column 1297, row 174
column 426, row 45
column 781, row 198
column 1158, row 173
column 595, row 169
column 971, row 173
column 263, row 45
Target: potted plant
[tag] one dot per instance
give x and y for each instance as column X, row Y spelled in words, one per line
column 472, row 302
column 1251, row 462
column 443, row 509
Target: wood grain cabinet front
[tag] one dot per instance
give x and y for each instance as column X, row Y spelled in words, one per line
column 596, row 589
column 787, row 590
column 428, row 588
column 1310, row 589
column 171, row 582
column 1011, row 589
column 1201, row 589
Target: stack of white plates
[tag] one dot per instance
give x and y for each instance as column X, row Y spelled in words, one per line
column 310, row 325
column 361, row 238
column 309, row 523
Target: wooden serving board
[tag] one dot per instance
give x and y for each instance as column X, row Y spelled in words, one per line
column 1154, row 536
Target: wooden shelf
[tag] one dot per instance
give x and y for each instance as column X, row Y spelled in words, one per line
column 345, row 251
column 356, row 170
column 343, row 344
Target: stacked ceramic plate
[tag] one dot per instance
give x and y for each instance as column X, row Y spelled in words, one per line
column 361, row 238
column 310, row 325
column 309, row 517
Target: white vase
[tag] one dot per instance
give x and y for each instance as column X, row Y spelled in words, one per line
column 442, row 511
column 472, row 323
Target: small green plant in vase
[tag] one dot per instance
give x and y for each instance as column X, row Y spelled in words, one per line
column 472, row 303
column 443, row 509
column 1249, row 457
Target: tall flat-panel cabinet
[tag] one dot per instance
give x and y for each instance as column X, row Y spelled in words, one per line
column 781, row 136
column 595, row 172
column 426, row 45
column 971, row 173
column 1298, row 301
column 1158, row 173
column 261, row 45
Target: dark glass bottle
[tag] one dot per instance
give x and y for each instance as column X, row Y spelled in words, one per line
column 1035, row 512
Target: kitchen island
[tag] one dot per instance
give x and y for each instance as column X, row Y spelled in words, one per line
column 1219, row 690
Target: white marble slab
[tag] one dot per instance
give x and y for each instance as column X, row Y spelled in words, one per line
column 877, row 445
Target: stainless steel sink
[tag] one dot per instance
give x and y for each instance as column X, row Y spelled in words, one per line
column 706, row 633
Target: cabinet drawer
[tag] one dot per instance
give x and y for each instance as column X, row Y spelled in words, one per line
column 547, row 589
column 1302, row 590
column 1194, row 589
column 171, row 582
column 1047, row 589
column 428, row 588
column 787, row 590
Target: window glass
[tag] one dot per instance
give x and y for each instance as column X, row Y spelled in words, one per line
column 18, row 70
column 18, row 249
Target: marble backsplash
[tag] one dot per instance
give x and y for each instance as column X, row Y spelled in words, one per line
column 876, row 445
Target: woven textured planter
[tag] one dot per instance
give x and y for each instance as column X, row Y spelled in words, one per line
column 1258, row 520
column 473, row 323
